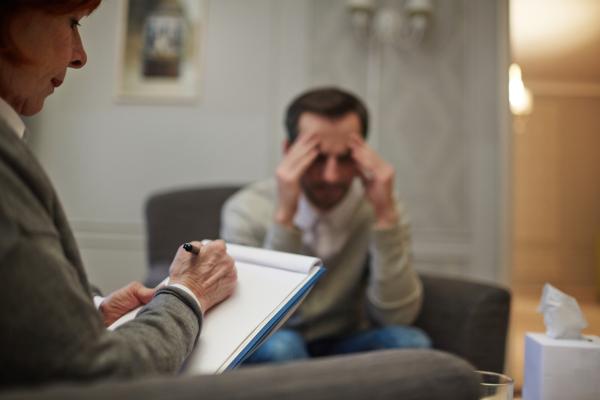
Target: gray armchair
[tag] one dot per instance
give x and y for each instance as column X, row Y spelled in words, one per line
column 465, row 318
column 390, row 375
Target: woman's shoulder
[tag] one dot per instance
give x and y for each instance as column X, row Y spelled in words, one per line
column 27, row 195
column 9, row 232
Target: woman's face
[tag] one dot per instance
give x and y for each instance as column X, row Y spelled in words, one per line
column 51, row 44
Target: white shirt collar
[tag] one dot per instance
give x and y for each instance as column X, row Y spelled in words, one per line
column 12, row 119
column 325, row 233
column 307, row 215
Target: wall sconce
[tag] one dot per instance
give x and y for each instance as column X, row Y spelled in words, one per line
column 520, row 98
column 361, row 14
column 402, row 29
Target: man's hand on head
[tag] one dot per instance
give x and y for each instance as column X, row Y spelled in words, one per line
column 298, row 157
column 378, row 177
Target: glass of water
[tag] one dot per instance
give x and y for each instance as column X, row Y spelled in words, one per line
column 495, row 386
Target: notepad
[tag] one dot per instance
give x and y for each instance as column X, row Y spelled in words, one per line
column 271, row 285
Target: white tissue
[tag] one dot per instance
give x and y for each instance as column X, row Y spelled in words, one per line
column 562, row 316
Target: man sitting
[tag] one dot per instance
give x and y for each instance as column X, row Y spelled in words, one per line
column 333, row 198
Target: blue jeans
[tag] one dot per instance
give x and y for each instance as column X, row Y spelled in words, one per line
column 287, row 345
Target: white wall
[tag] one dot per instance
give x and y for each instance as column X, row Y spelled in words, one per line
column 441, row 120
column 105, row 158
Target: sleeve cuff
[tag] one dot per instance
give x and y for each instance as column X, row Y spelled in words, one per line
column 190, row 293
column 98, row 301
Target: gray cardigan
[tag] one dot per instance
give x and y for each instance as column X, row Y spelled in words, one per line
column 51, row 330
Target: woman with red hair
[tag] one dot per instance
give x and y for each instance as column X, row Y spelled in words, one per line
column 53, row 329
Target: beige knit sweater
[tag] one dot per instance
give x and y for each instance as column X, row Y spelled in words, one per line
column 370, row 281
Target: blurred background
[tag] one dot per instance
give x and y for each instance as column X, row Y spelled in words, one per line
column 556, row 162
column 439, row 109
column 556, row 151
column 509, row 197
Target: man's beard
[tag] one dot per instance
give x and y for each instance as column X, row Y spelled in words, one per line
column 326, row 196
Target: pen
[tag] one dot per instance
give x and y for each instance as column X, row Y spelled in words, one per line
column 190, row 248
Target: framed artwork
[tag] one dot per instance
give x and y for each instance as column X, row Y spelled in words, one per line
column 160, row 50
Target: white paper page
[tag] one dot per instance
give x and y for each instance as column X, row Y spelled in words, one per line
column 273, row 259
column 288, row 312
column 260, row 292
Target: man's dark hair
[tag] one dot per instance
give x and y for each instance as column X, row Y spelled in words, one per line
column 329, row 102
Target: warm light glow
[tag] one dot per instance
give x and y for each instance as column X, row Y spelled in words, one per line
column 521, row 101
column 552, row 28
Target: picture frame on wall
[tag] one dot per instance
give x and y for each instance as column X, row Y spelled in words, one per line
column 160, row 51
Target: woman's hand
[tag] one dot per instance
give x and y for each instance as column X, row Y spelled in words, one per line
column 210, row 275
column 123, row 300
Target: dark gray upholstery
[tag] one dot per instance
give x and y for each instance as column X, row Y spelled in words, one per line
column 465, row 318
column 177, row 216
column 395, row 374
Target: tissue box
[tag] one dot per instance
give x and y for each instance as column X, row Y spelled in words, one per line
column 561, row 369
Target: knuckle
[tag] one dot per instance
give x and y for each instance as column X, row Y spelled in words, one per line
column 220, row 246
column 230, row 289
column 208, row 251
column 227, row 262
column 230, row 265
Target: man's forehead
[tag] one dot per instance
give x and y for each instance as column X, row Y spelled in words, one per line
column 334, row 134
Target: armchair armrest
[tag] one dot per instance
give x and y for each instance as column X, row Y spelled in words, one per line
column 391, row 374
column 466, row 318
